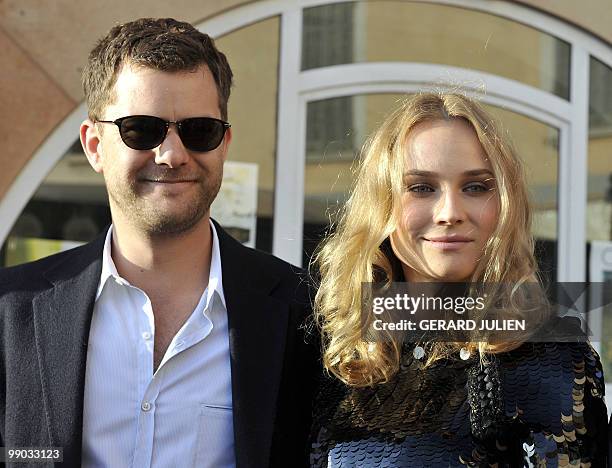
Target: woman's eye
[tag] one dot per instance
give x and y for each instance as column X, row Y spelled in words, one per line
column 476, row 188
column 420, row 188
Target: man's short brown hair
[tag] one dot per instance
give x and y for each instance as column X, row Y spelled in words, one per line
column 163, row 44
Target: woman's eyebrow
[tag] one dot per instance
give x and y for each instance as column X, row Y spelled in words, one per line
column 477, row 172
column 472, row 172
column 415, row 172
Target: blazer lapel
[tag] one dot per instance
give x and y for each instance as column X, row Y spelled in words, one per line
column 257, row 326
column 62, row 318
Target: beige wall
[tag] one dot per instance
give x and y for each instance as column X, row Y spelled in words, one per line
column 31, row 105
column 431, row 33
column 594, row 16
column 253, row 53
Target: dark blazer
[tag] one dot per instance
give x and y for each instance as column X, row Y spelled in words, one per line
column 45, row 316
column 610, row 443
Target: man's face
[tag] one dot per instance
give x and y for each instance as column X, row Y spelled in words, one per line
column 168, row 189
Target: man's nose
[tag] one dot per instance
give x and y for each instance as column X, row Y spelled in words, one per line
column 450, row 208
column 171, row 152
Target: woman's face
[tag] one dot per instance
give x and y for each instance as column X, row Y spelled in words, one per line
column 449, row 204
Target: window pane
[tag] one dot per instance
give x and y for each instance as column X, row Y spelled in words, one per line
column 327, row 35
column 70, row 207
column 599, row 212
column 599, row 186
column 538, row 146
column 328, row 174
column 328, row 128
column 253, row 55
column 393, row 31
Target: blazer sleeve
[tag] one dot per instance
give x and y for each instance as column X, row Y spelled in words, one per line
column 610, row 443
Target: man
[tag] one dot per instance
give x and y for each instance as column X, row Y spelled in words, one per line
column 164, row 342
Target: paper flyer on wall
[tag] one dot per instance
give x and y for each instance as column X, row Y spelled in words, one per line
column 235, row 208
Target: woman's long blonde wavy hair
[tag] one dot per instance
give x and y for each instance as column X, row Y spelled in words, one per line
column 352, row 255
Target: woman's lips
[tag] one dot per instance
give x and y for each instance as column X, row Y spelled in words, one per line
column 448, row 243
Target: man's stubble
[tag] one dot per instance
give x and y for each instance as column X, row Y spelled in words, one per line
column 155, row 220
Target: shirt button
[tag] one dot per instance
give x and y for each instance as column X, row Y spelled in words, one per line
column 146, row 406
column 146, row 335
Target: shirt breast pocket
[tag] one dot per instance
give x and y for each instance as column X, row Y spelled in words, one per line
column 215, row 437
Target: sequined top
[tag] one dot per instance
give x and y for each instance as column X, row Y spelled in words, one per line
column 538, row 405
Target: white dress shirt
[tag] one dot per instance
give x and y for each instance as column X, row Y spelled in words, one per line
column 181, row 415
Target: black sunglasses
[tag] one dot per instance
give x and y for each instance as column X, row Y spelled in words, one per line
column 145, row 132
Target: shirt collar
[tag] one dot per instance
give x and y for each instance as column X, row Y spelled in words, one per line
column 215, row 283
column 108, row 266
column 215, row 277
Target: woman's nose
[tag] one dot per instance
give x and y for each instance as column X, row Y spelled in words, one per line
column 450, row 209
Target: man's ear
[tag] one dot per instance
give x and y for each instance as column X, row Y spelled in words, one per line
column 227, row 139
column 92, row 145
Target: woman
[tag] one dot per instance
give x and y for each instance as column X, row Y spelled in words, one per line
column 440, row 197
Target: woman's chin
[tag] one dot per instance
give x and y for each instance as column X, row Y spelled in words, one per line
column 452, row 276
column 440, row 277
